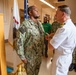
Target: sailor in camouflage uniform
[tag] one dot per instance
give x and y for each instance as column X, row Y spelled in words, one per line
column 55, row 26
column 30, row 42
column 74, row 59
column 74, row 56
column 73, row 64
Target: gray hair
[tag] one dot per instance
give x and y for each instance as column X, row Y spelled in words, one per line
column 65, row 8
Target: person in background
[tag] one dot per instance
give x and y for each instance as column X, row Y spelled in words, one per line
column 63, row 42
column 73, row 64
column 29, row 42
column 55, row 26
column 47, row 28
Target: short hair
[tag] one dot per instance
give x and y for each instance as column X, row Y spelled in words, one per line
column 30, row 8
column 65, row 8
column 45, row 17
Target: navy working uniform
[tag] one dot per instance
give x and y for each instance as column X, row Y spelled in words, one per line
column 29, row 44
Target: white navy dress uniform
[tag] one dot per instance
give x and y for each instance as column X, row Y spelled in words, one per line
column 64, row 42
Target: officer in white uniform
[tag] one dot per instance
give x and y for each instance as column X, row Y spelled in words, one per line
column 64, row 42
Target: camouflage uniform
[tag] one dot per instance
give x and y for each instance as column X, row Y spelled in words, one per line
column 74, row 54
column 55, row 26
column 29, row 44
column 74, row 57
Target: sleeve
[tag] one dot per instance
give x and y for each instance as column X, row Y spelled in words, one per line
column 50, row 28
column 59, row 37
column 20, row 41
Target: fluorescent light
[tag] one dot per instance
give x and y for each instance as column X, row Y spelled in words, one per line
column 47, row 4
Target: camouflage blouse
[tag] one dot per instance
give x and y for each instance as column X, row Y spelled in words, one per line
column 30, row 40
column 55, row 26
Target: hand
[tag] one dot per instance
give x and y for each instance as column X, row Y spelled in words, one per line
column 49, row 36
column 52, row 34
column 24, row 60
column 46, row 37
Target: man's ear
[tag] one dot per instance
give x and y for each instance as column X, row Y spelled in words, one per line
column 29, row 12
column 64, row 14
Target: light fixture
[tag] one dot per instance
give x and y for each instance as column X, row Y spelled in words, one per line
column 47, row 4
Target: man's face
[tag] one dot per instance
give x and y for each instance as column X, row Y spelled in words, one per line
column 45, row 19
column 35, row 13
column 59, row 15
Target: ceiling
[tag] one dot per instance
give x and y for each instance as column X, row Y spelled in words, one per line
column 55, row 3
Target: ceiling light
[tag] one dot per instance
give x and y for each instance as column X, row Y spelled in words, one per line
column 47, row 4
